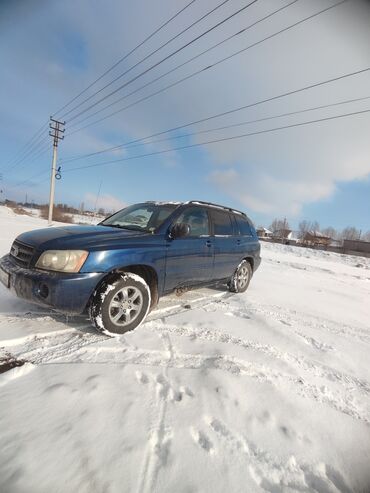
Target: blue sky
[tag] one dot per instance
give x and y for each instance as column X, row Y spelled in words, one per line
column 50, row 51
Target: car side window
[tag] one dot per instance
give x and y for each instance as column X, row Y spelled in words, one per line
column 244, row 226
column 197, row 219
column 222, row 224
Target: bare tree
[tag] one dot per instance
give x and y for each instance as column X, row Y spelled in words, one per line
column 303, row 227
column 315, row 226
column 278, row 224
column 306, row 226
column 330, row 232
column 366, row 236
column 350, row 233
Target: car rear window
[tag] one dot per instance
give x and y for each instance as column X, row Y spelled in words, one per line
column 244, row 226
column 222, row 223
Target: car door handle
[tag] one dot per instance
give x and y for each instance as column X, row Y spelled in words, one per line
column 238, row 242
column 208, row 243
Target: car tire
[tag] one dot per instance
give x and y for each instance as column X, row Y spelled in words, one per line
column 120, row 305
column 241, row 278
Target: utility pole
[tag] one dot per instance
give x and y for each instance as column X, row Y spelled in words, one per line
column 1, row 191
column 97, row 198
column 56, row 132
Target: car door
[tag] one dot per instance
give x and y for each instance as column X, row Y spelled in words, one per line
column 189, row 260
column 248, row 241
column 225, row 238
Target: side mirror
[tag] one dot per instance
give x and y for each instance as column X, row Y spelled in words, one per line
column 180, row 230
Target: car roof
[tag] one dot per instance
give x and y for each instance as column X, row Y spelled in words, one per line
column 200, row 202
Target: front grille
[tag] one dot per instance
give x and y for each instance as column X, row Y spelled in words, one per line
column 22, row 253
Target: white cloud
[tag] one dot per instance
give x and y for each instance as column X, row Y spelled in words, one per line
column 105, row 201
column 270, row 195
column 272, row 172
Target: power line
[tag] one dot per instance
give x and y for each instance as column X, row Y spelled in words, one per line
column 42, row 151
column 228, row 38
column 18, row 154
column 224, row 127
column 299, row 22
column 210, row 66
column 34, row 147
column 31, row 178
column 149, row 55
column 256, row 103
column 224, row 139
column 126, row 56
column 19, row 157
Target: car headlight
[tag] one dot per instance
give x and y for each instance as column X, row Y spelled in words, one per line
column 62, row 260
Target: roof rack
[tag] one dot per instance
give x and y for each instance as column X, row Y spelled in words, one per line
column 199, row 202
column 211, row 204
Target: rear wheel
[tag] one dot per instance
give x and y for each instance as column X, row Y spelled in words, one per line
column 120, row 306
column 241, row 277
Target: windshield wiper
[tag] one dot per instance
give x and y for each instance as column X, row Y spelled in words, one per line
column 130, row 228
column 109, row 225
column 135, row 228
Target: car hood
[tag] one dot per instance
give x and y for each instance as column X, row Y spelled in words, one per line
column 77, row 237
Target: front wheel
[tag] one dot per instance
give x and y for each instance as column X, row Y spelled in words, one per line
column 240, row 280
column 120, row 306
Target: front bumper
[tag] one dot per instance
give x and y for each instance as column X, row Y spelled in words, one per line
column 67, row 293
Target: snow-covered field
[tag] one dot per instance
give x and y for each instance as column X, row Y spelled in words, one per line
column 77, row 218
column 268, row 391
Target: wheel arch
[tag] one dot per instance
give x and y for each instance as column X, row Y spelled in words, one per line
column 147, row 272
column 250, row 260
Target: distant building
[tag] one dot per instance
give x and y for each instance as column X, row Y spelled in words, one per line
column 336, row 243
column 294, row 238
column 263, row 232
column 315, row 238
column 356, row 246
column 282, row 235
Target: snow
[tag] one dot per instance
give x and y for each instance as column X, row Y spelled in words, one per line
column 268, row 391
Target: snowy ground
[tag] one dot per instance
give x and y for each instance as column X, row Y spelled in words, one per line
column 263, row 392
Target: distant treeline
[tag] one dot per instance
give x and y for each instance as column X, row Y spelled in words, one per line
column 348, row 233
column 63, row 208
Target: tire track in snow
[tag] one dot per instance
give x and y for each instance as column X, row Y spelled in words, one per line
column 186, row 305
column 36, row 346
column 294, row 317
column 39, row 349
column 299, row 362
column 340, row 402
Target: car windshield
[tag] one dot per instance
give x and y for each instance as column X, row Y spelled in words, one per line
column 141, row 217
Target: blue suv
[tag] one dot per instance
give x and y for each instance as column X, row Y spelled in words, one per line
column 118, row 269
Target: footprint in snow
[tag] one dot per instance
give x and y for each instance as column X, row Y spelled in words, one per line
column 161, row 444
column 272, row 474
column 201, row 439
column 187, row 391
column 165, row 390
column 92, row 383
column 141, row 377
column 175, row 395
column 57, row 388
column 163, row 387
